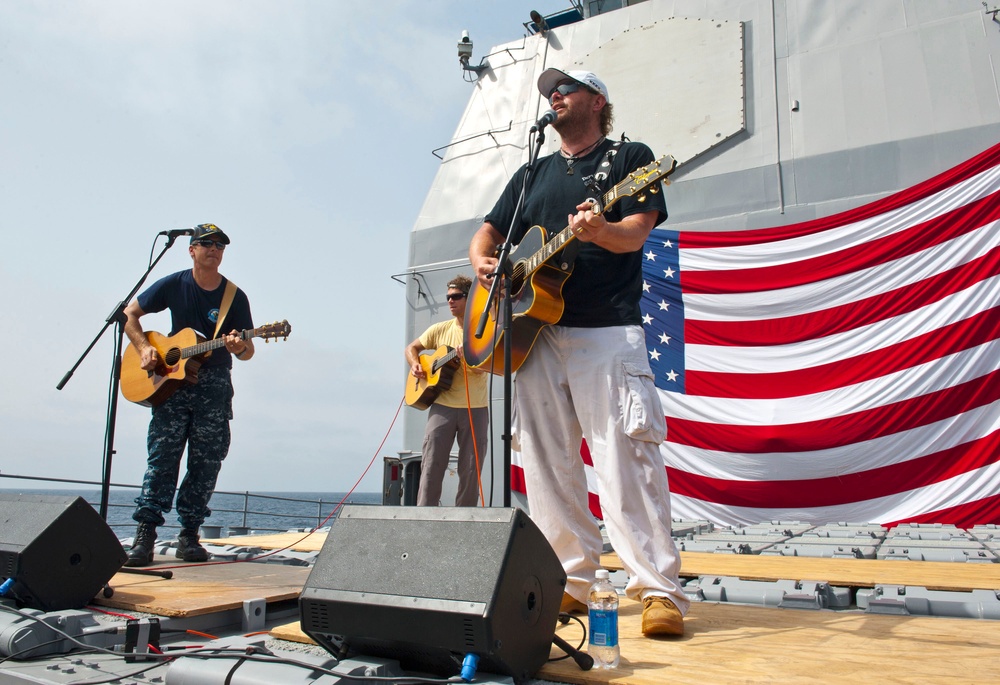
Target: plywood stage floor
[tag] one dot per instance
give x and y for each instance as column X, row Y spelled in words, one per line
column 728, row 643
column 197, row 589
column 755, row 645
column 724, row 643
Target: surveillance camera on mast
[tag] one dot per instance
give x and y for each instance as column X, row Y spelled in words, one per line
column 465, row 54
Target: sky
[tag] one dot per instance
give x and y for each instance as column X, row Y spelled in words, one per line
column 303, row 129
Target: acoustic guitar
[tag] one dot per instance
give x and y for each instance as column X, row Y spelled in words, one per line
column 439, row 366
column 181, row 355
column 537, row 281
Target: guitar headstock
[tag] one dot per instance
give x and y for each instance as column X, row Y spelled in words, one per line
column 278, row 329
column 644, row 180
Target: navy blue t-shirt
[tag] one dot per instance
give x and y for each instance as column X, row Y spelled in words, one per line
column 604, row 288
column 193, row 307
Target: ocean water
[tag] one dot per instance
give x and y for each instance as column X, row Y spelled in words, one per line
column 264, row 512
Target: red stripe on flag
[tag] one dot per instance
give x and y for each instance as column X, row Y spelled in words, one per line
column 980, row 512
column 791, row 329
column 961, row 335
column 912, row 240
column 984, row 161
column 860, row 486
column 837, row 431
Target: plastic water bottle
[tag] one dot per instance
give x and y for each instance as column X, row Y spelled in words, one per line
column 603, row 603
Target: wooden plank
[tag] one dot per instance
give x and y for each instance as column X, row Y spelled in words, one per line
column 299, row 542
column 726, row 643
column 197, row 589
column 291, row 632
column 934, row 575
column 742, row 644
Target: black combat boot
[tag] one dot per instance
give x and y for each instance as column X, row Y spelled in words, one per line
column 188, row 547
column 141, row 553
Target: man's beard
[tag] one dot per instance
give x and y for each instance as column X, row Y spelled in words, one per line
column 570, row 121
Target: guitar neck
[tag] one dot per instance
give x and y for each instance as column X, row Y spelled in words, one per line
column 445, row 358
column 216, row 343
column 564, row 237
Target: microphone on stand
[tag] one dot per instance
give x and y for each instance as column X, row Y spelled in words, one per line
column 177, row 232
column 545, row 120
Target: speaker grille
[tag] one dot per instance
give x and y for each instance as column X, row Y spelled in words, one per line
column 319, row 616
column 470, row 635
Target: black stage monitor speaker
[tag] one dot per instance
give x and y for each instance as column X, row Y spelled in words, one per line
column 428, row 585
column 58, row 550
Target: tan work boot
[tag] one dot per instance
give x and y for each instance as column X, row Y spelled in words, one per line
column 660, row 616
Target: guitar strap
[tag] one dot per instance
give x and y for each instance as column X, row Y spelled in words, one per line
column 605, row 166
column 227, row 300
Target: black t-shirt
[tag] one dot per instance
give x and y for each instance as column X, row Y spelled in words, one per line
column 604, row 288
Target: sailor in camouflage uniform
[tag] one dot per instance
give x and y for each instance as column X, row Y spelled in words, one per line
column 198, row 414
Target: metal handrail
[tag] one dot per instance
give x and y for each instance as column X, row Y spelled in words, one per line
column 246, row 512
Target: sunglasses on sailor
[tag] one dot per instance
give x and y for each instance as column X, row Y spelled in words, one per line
column 452, row 297
column 204, row 242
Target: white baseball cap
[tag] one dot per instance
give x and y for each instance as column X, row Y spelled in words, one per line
column 550, row 78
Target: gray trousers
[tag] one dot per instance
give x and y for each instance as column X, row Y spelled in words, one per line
column 444, row 425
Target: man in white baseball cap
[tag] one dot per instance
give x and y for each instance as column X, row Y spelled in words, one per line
column 587, row 377
column 551, row 78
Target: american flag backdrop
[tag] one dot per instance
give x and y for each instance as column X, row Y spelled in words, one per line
column 842, row 369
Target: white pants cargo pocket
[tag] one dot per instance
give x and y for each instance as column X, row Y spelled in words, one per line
column 642, row 414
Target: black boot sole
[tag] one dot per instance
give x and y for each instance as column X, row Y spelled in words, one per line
column 201, row 555
column 133, row 562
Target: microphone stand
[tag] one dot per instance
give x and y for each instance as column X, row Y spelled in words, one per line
column 117, row 318
column 503, row 260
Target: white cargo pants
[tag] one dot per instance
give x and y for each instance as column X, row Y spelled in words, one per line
column 595, row 383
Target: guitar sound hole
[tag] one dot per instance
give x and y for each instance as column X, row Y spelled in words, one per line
column 172, row 356
column 516, row 283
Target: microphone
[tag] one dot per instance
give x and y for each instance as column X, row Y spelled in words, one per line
column 582, row 659
column 545, row 120
column 177, row 232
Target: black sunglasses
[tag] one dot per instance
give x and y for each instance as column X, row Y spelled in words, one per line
column 455, row 296
column 206, row 243
column 564, row 89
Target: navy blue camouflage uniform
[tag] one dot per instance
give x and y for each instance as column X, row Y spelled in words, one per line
column 197, row 414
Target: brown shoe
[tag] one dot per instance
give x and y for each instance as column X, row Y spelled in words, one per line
column 661, row 617
column 571, row 605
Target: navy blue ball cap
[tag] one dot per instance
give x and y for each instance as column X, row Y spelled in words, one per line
column 210, row 232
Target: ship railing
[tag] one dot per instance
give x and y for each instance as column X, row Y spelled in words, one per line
column 240, row 512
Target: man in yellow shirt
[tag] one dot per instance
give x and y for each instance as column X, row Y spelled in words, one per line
column 458, row 412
